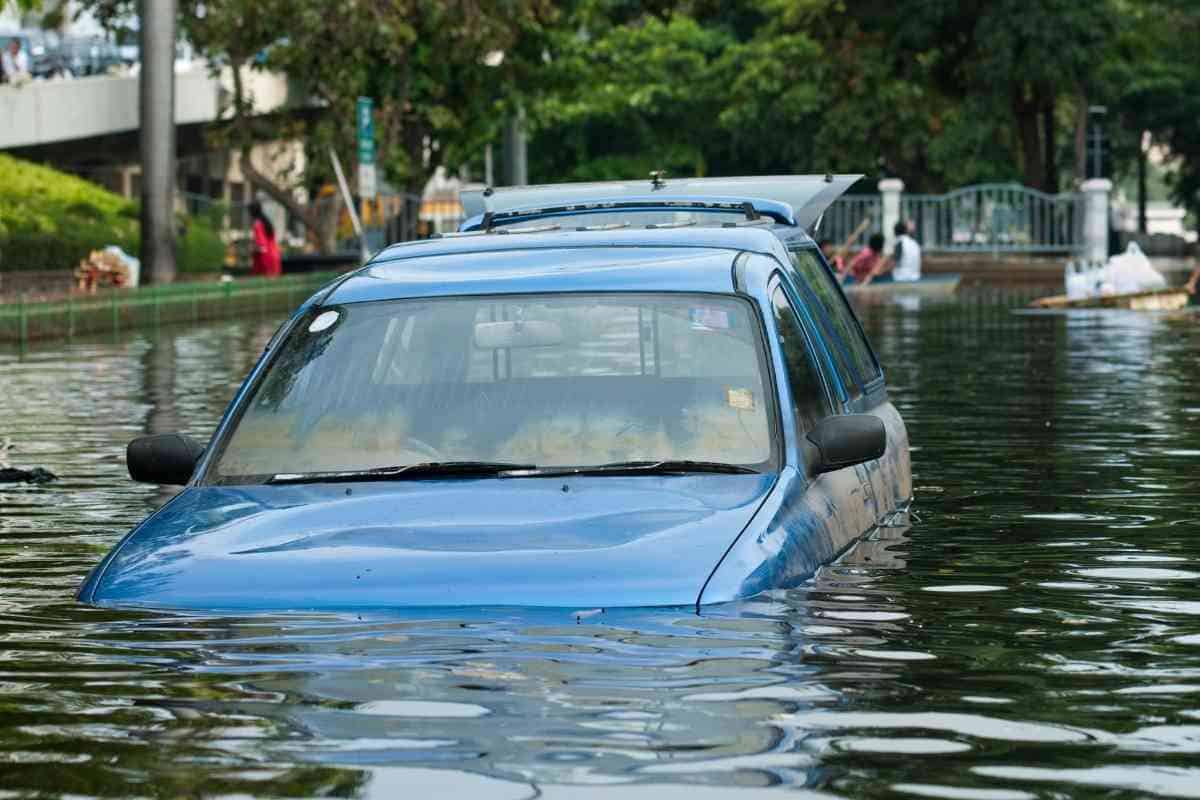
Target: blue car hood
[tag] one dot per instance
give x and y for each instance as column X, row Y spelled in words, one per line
column 583, row 542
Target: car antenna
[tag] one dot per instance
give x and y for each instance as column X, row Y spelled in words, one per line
column 656, row 179
column 829, row 177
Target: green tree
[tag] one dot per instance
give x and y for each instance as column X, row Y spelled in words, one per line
column 1157, row 87
column 423, row 61
column 620, row 99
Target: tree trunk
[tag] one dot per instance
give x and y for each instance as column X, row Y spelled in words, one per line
column 1081, row 120
column 1050, row 141
column 1143, row 157
column 1025, row 113
column 307, row 215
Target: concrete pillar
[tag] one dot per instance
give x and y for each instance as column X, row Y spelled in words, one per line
column 156, row 86
column 890, row 189
column 1096, row 192
column 126, row 178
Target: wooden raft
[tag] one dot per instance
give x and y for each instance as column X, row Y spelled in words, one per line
column 1154, row 300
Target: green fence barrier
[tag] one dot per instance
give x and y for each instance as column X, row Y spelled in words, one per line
column 115, row 310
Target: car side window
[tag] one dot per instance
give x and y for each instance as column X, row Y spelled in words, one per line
column 809, row 399
column 844, row 326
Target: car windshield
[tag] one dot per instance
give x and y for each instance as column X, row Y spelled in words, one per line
column 537, row 380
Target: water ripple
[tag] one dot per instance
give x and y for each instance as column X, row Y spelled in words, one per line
column 1033, row 634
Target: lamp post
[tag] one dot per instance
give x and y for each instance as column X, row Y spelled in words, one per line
column 156, row 104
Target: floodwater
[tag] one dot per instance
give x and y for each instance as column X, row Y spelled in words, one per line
column 1035, row 633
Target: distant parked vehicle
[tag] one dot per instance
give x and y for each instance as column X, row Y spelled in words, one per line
column 89, row 55
column 43, row 48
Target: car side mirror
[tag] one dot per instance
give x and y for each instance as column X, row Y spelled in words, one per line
column 847, row 439
column 166, row 458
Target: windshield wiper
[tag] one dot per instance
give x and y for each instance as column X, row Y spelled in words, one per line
column 427, row 469
column 677, row 467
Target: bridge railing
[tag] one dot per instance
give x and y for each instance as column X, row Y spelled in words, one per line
column 848, row 215
column 989, row 217
column 996, row 217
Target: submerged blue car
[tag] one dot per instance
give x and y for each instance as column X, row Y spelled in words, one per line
column 666, row 403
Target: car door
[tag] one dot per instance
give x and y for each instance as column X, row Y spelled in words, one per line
column 859, row 372
column 807, row 363
column 808, row 519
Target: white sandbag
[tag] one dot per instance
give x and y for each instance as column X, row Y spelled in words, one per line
column 133, row 265
column 1077, row 279
column 1083, row 279
column 1130, row 272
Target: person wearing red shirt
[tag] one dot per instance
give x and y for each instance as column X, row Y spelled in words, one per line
column 266, row 260
column 867, row 263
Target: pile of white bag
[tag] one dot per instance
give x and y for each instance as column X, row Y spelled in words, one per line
column 1125, row 273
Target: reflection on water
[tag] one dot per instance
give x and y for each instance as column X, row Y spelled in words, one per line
column 1035, row 633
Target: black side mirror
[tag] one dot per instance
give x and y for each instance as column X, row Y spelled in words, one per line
column 168, row 458
column 846, row 440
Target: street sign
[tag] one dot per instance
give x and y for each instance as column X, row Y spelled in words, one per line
column 367, row 188
column 365, row 117
column 366, row 130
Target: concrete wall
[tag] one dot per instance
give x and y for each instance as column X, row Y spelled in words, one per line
column 41, row 112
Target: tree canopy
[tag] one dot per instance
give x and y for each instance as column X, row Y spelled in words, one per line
column 938, row 92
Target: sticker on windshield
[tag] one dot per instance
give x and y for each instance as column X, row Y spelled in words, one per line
column 741, row 399
column 706, row 318
column 323, row 321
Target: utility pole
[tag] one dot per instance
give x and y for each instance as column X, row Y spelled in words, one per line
column 156, row 104
column 516, row 161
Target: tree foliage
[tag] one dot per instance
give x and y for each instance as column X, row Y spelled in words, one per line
column 938, row 92
column 424, row 62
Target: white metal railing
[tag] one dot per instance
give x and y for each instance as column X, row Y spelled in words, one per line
column 996, row 217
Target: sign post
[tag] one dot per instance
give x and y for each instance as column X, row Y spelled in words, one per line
column 367, row 188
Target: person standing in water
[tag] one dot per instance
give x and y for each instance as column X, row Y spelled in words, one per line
column 907, row 255
column 266, row 261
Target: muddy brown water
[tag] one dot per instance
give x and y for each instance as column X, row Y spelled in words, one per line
column 1034, row 634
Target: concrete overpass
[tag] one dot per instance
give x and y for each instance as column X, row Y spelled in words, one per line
column 89, row 126
column 46, row 112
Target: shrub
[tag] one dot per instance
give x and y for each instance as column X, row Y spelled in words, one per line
column 199, row 249
column 51, row 220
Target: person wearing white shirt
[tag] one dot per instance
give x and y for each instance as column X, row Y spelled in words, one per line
column 14, row 62
column 906, row 256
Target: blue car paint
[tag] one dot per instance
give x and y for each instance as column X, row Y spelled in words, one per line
column 543, row 269
column 584, row 541
column 654, row 540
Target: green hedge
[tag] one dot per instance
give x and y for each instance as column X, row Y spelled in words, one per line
column 51, row 220
column 199, row 249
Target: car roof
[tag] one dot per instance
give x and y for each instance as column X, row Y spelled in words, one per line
column 680, row 260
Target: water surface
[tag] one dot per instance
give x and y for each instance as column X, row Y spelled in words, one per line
column 1034, row 634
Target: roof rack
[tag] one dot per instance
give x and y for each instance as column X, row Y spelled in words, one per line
column 806, row 196
column 490, row 218
column 526, row 229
